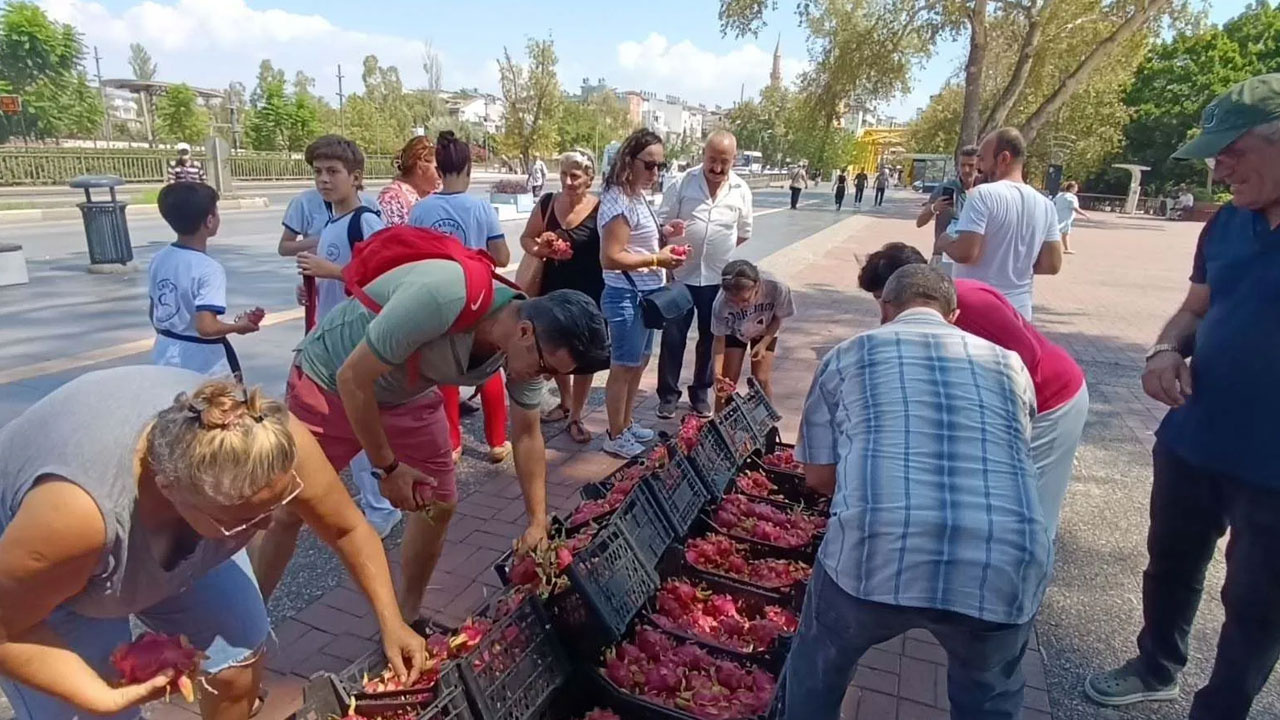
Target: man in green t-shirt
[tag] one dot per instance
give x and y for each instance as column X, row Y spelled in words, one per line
column 365, row 381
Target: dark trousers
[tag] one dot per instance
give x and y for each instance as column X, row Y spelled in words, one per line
column 839, row 197
column 1191, row 508
column 879, row 196
column 795, row 197
column 984, row 659
column 674, row 338
column 857, row 194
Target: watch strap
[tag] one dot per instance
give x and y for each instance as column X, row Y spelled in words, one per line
column 1161, row 347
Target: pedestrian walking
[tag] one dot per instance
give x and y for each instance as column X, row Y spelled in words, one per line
column 882, row 184
column 859, row 187
column 1008, row 231
column 131, row 494
column 185, row 168
column 747, row 317
column 799, row 181
column 416, row 177
column 715, row 206
column 1067, row 206
column 898, row 422
column 537, row 176
column 1215, row 457
column 635, row 253
column 569, row 216
column 840, row 186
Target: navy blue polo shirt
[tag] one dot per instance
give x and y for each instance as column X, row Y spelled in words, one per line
column 1231, row 422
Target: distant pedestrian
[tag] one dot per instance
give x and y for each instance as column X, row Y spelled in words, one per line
column 882, row 184
column 185, row 168
column 841, row 185
column 920, row 432
column 537, row 176
column 416, row 177
column 188, row 289
column 716, row 207
column 859, row 186
column 799, row 181
column 1008, row 231
column 1068, row 207
column 1216, row 455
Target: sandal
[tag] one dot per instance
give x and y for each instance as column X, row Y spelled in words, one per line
column 259, row 702
column 556, row 414
column 578, row 432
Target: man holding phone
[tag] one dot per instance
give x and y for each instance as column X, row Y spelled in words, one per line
column 947, row 199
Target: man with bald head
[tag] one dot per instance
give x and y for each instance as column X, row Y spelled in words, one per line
column 715, row 205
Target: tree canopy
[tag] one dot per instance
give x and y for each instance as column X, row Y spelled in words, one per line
column 533, row 101
column 43, row 61
column 140, row 62
column 179, row 117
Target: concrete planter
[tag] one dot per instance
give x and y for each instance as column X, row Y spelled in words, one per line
column 1202, row 211
column 13, row 265
column 523, row 202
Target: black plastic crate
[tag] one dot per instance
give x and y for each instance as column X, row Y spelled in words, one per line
column 790, row 488
column 713, row 459
column 737, row 429
column 806, row 553
column 517, row 667
column 613, row 581
column 676, row 561
column 680, row 493
column 329, row 696
column 642, row 516
column 758, row 408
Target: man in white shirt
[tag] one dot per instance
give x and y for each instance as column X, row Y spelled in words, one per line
column 715, row 205
column 1008, row 231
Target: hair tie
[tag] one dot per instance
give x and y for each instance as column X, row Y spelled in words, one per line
column 193, row 410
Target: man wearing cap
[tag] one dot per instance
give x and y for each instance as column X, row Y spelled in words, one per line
column 185, row 168
column 1217, row 452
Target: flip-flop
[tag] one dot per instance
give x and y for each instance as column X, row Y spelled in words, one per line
column 259, row 702
column 578, row 433
column 556, row 414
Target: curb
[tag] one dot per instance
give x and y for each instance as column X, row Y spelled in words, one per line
column 21, row 217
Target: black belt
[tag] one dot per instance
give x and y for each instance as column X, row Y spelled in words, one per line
column 232, row 360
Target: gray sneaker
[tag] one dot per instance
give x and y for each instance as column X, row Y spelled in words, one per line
column 1125, row 685
column 666, row 409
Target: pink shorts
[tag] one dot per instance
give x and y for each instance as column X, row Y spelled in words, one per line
column 417, row 431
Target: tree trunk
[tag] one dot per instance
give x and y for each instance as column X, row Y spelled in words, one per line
column 1021, row 69
column 973, row 67
column 1072, row 82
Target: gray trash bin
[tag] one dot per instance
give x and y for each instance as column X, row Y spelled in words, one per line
column 105, row 227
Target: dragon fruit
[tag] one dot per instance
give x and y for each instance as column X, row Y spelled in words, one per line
column 718, row 554
column 543, row 570
column 782, row 460
column 153, row 653
column 740, row 516
column 696, row 611
column 690, row 431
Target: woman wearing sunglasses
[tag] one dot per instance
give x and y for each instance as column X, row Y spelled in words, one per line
column 133, row 492
column 634, row 256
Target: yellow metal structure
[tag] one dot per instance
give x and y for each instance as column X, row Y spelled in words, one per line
column 872, row 146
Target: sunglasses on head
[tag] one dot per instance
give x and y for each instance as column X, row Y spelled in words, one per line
column 652, row 165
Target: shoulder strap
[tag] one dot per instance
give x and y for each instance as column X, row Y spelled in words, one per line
column 355, row 229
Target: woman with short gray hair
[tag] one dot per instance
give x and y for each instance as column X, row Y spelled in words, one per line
column 568, row 216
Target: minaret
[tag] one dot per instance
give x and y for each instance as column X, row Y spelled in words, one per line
column 775, row 77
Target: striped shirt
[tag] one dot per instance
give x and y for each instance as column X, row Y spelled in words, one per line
column 935, row 503
column 193, row 171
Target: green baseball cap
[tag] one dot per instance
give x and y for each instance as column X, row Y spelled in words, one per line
column 1245, row 106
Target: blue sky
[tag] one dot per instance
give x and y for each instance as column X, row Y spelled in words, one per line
column 663, row 46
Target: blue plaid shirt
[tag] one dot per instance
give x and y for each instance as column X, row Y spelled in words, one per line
column 935, row 503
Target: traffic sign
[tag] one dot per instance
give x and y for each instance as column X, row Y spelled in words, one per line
column 10, row 104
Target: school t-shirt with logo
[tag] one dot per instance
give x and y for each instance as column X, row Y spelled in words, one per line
column 335, row 246
column 308, row 212
column 182, row 282
column 466, row 217
column 749, row 323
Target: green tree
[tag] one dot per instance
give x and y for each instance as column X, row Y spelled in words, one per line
column 592, row 122
column 268, row 126
column 433, row 68
column 179, row 116
column 533, row 99
column 268, row 76
column 43, row 61
column 140, row 62
column 765, row 124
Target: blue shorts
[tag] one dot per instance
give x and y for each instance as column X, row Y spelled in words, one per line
column 631, row 341
column 221, row 613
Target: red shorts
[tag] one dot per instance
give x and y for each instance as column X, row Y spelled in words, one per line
column 417, row 431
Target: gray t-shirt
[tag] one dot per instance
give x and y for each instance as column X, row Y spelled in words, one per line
column 749, row 323
column 88, row 431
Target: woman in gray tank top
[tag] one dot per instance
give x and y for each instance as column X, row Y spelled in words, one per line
column 133, row 492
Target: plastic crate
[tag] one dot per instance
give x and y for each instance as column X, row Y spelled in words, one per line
column 806, row 553
column 738, row 431
column 679, row 492
column 516, row 669
column 613, row 581
column 758, row 408
column 642, row 517
column 790, row 488
column 713, row 460
column 328, row 696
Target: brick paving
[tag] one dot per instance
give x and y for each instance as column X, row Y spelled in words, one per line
column 1092, row 308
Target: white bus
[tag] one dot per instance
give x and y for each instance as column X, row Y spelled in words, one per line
column 749, row 161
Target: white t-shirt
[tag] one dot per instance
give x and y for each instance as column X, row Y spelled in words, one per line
column 643, row 224
column 335, row 247
column 182, row 282
column 749, row 323
column 308, row 212
column 466, row 217
column 1066, row 204
column 1015, row 221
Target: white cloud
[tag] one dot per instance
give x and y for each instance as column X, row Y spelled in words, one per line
column 695, row 74
column 212, row 42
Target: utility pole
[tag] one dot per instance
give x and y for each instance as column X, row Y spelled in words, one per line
column 102, row 92
column 342, row 118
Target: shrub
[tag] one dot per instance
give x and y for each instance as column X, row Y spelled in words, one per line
column 508, row 186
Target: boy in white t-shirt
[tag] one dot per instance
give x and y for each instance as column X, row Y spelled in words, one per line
column 338, row 165
column 188, row 289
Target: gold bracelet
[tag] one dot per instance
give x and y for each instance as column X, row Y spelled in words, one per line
column 654, row 260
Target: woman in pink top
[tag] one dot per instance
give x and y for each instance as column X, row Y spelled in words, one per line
column 416, row 177
column 1062, row 397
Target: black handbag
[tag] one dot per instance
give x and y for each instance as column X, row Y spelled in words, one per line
column 664, row 305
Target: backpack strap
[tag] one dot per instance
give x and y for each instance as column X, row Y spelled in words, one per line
column 355, row 229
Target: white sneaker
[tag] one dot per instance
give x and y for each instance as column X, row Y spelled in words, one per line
column 624, row 446
column 640, row 433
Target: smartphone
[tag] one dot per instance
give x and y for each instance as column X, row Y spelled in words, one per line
column 949, row 193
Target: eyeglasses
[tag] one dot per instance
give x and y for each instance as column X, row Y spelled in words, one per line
column 543, row 368
column 652, row 165
column 232, row 532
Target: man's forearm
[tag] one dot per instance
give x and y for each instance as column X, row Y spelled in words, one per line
column 361, row 406
column 530, row 454
column 1180, row 331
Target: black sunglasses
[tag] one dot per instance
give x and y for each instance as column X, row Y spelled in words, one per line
column 652, row 165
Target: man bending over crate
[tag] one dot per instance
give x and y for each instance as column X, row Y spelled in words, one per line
column 426, row 311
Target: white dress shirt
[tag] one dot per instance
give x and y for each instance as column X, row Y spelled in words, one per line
column 713, row 225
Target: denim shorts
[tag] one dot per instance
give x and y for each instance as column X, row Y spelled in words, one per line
column 221, row 613
column 632, row 342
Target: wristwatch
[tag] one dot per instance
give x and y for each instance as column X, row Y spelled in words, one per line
column 1159, row 348
column 381, row 473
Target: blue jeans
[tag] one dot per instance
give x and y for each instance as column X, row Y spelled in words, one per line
column 984, row 672
column 631, row 342
column 1055, row 435
column 221, row 613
